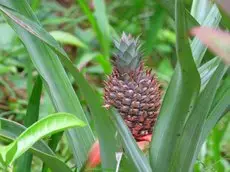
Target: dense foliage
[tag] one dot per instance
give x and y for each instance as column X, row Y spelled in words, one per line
column 55, row 56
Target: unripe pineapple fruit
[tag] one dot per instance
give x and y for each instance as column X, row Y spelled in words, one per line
column 132, row 90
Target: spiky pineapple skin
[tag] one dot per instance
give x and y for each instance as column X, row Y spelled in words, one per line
column 137, row 98
column 132, row 90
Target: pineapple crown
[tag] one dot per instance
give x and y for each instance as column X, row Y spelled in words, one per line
column 128, row 54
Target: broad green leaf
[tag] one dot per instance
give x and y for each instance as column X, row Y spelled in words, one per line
column 32, row 114
column 44, row 127
column 102, row 121
column 53, row 74
column 169, row 6
column 217, row 40
column 187, row 149
column 67, row 38
column 135, row 154
column 178, row 100
column 10, row 130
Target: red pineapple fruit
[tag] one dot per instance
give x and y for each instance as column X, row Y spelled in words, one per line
column 133, row 91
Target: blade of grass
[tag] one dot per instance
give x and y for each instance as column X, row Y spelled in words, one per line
column 130, row 146
column 56, row 80
column 178, row 101
column 103, row 23
column 34, row 103
column 102, row 121
column 32, row 114
column 11, row 130
column 100, row 26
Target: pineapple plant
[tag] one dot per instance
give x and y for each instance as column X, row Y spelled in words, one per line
column 132, row 89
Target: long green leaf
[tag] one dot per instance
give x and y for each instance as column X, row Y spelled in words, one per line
column 179, row 99
column 200, row 9
column 225, row 85
column 32, row 114
column 106, row 132
column 134, row 153
column 206, row 71
column 222, row 107
column 11, row 130
column 198, row 48
column 56, row 80
column 103, row 23
column 99, row 23
column 44, row 127
column 187, row 148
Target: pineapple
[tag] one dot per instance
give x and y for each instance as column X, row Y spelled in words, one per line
column 132, row 90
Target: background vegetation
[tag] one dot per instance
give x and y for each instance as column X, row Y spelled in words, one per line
column 85, row 30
